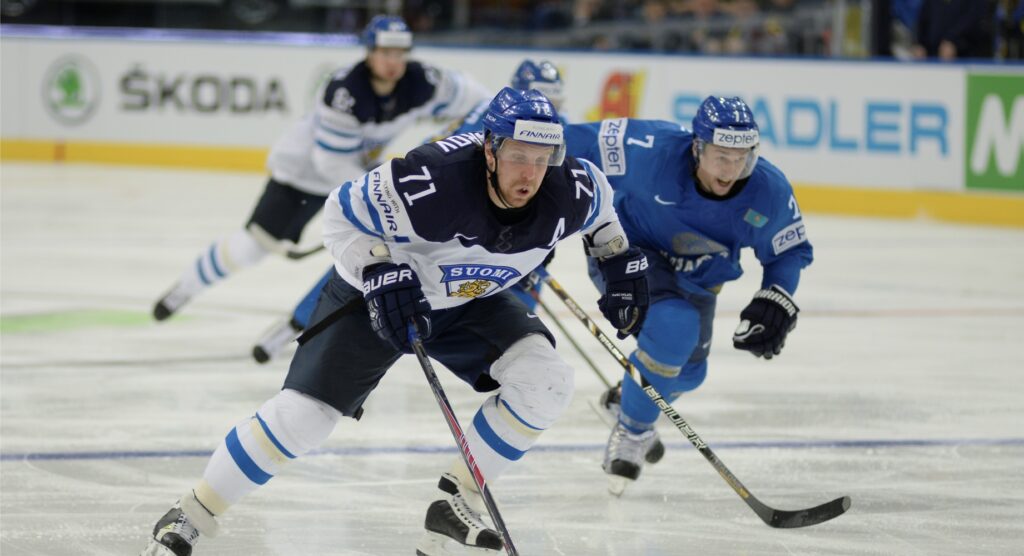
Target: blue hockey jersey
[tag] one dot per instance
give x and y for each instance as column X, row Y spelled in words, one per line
column 660, row 205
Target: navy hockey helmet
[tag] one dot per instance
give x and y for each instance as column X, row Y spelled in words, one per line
column 387, row 31
column 727, row 122
column 526, row 116
column 542, row 76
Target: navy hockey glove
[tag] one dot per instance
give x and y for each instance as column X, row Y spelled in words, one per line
column 765, row 323
column 626, row 297
column 393, row 296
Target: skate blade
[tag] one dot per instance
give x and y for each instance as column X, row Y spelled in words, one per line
column 617, row 484
column 435, row 544
column 156, row 549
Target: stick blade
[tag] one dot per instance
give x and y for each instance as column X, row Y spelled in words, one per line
column 783, row 519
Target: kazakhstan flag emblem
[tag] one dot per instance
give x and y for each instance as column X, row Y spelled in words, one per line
column 755, row 219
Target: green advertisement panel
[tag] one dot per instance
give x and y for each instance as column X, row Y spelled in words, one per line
column 995, row 132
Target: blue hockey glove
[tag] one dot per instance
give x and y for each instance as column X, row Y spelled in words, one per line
column 626, row 297
column 765, row 323
column 394, row 296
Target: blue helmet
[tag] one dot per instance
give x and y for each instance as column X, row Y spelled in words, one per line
column 542, row 76
column 526, row 116
column 387, row 31
column 727, row 122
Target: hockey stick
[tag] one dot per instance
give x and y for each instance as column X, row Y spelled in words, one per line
column 295, row 254
column 579, row 348
column 460, row 438
column 784, row 519
column 279, row 247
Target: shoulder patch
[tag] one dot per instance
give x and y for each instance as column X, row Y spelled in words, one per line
column 610, row 139
column 342, row 100
column 789, row 237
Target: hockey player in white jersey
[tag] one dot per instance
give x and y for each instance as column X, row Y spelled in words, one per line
column 436, row 239
column 692, row 200
column 359, row 110
column 542, row 76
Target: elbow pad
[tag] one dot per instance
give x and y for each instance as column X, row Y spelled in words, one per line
column 606, row 241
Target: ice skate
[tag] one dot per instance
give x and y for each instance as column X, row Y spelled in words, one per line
column 275, row 340
column 175, row 534
column 174, row 299
column 624, row 456
column 608, row 407
column 454, row 524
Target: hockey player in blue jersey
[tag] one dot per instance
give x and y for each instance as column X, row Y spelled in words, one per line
column 691, row 201
column 436, row 238
column 541, row 76
column 359, row 110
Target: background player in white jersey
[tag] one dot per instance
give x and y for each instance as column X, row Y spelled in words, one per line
column 691, row 201
column 358, row 111
column 436, row 238
column 541, row 76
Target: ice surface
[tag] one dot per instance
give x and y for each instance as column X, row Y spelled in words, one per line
column 900, row 387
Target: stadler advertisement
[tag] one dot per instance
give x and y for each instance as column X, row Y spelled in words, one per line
column 829, row 123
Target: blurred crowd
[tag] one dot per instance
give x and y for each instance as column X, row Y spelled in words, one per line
column 913, row 29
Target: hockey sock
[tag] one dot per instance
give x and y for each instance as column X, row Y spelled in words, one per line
column 668, row 338
column 536, row 388
column 285, row 427
column 222, row 258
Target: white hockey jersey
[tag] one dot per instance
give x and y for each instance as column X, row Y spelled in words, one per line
column 432, row 210
column 350, row 125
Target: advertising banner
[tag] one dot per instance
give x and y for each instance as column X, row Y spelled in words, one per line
column 931, row 127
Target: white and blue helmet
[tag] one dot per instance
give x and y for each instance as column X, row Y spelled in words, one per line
column 542, row 76
column 727, row 122
column 526, row 116
column 387, row 31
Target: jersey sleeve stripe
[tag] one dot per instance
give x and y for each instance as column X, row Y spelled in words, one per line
column 345, row 201
column 334, row 149
column 372, row 210
column 595, row 205
column 321, row 126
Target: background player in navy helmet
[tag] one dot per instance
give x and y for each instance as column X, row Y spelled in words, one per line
column 691, row 201
column 542, row 76
column 436, row 238
column 358, row 111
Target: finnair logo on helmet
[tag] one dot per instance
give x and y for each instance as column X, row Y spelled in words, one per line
column 394, row 38
column 545, row 133
column 737, row 139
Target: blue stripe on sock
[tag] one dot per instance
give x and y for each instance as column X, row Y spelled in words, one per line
column 243, row 461
column 272, row 438
column 199, row 269
column 516, row 415
column 492, row 439
column 213, row 261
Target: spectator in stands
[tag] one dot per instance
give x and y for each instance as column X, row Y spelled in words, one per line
column 951, row 29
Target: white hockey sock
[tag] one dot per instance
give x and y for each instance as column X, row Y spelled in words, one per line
column 536, row 388
column 285, row 427
column 221, row 259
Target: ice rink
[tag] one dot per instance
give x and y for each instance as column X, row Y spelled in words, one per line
column 901, row 387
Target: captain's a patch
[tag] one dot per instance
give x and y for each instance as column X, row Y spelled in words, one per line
column 476, row 280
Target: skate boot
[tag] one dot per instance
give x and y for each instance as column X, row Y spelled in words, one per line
column 175, row 534
column 276, row 339
column 174, row 299
column 453, row 520
column 608, row 408
column 624, row 456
